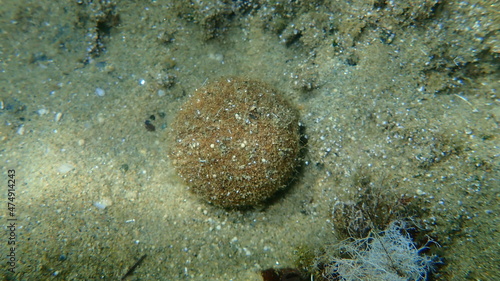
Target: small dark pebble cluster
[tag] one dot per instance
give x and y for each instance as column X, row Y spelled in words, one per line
column 283, row 274
column 148, row 124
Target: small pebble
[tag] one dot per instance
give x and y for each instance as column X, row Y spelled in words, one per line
column 217, row 57
column 103, row 203
column 100, row 92
column 247, row 252
column 149, row 126
column 42, row 111
column 109, row 68
column 58, row 117
column 100, row 118
column 20, row 130
column 64, row 168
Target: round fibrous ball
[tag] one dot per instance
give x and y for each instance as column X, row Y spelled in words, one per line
column 235, row 142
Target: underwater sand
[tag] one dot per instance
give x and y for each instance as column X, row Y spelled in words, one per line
column 402, row 94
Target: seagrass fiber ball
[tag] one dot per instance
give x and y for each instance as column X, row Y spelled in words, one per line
column 235, row 142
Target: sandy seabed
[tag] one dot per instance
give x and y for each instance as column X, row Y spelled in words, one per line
column 395, row 96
